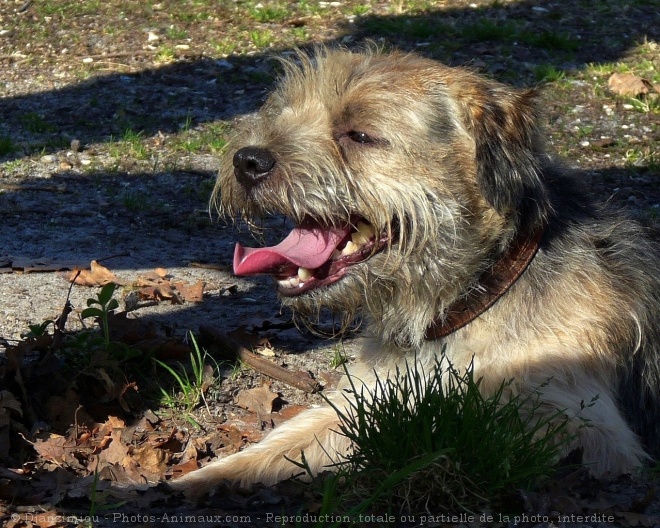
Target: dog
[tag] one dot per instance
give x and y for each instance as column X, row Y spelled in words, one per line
column 426, row 204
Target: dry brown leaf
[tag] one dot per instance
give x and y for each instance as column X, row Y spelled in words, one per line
column 249, row 428
column 115, row 452
column 39, row 265
column 97, row 275
column 155, row 286
column 126, row 474
column 628, row 84
column 184, row 468
column 151, row 459
column 150, row 278
column 52, row 448
column 111, row 423
column 289, row 411
column 259, row 400
column 190, row 292
column 286, row 413
column 160, row 291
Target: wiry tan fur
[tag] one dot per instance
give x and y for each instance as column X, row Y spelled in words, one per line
column 456, row 170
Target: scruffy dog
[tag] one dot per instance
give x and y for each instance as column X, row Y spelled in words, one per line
column 425, row 203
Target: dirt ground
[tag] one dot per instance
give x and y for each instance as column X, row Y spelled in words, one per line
column 113, row 118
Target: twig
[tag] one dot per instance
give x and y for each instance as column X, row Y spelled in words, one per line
column 116, row 255
column 24, row 7
column 259, row 364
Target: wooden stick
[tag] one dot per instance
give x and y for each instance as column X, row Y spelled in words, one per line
column 257, row 363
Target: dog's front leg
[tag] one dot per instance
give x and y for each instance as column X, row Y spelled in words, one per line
column 313, row 432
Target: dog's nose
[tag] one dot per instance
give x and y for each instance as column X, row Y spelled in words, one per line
column 252, row 165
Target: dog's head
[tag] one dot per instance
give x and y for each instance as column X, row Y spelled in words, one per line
column 404, row 177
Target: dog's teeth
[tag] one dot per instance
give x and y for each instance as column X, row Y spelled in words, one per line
column 359, row 239
column 336, row 254
column 350, row 248
column 363, row 234
column 304, row 274
column 293, row 282
column 365, row 229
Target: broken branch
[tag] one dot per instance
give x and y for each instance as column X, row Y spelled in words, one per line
column 294, row 379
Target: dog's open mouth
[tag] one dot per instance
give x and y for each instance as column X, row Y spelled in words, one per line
column 311, row 256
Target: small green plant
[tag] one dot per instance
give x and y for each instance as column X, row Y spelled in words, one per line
column 192, row 144
column 35, row 123
column 134, row 141
column 101, row 308
column 583, row 131
column 548, row 73
column 261, row 38
column 648, row 104
column 225, row 46
column 176, row 33
column 299, row 33
column 338, row 358
column 89, row 349
column 190, row 389
column 433, row 441
column 309, row 8
column 360, row 9
column 134, row 200
column 269, row 13
column 38, row 330
column 208, row 136
column 6, row 145
column 638, row 157
column 165, row 54
column 607, row 68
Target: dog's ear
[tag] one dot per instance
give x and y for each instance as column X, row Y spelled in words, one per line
column 509, row 152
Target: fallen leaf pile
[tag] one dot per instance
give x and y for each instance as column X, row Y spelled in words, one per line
column 153, row 286
column 75, row 413
column 156, row 286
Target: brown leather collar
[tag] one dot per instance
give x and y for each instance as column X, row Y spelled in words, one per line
column 493, row 284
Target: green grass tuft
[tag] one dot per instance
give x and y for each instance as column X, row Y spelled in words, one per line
column 433, row 442
column 548, row 73
column 269, row 13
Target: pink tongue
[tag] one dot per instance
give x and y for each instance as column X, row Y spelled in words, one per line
column 304, row 247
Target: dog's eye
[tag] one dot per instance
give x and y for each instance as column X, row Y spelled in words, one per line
column 359, row 137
